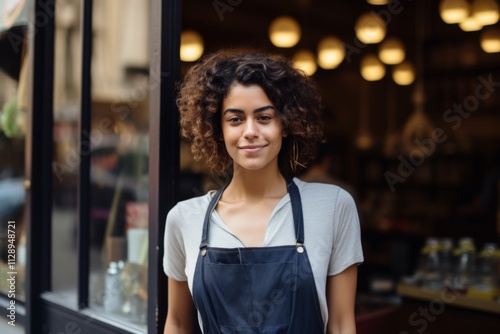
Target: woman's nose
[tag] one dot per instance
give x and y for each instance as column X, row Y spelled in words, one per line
column 250, row 129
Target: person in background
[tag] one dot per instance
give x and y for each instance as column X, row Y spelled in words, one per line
column 267, row 252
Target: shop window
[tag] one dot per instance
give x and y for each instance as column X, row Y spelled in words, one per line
column 119, row 161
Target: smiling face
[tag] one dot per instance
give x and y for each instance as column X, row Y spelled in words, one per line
column 252, row 128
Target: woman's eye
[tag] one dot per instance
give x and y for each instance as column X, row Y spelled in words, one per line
column 265, row 118
column 234, row 120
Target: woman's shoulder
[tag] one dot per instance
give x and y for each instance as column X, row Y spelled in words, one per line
column 189, row 208
column 323, row 191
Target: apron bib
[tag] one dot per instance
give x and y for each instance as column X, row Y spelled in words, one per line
column 267, row 290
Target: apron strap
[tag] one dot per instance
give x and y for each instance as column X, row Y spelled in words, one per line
column 206, row 223
column 298, row 218
column 295, row 201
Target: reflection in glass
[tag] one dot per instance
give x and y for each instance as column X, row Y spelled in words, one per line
column 14, row 83
column 65, row 164
column 119, row 161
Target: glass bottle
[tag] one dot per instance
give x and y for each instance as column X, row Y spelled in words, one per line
column 465, row 256
column 446, row 259
column 431, row 275
column 113, row 296
column 484, row 284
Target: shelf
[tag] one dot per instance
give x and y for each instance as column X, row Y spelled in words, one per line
column 416, row 292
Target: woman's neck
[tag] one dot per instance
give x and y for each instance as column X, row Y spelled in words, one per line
column 255, row 185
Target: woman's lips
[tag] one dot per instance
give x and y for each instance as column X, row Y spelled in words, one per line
column 252, row 148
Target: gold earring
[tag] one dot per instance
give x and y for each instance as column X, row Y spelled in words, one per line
column 294, row 161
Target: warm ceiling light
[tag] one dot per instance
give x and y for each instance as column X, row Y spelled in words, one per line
column 392, row 51
column 331, row 52
column 470, row 24
column 404, row 73
column 372, row 68
column 378, row 2
column 304, row 60
column 485, row 11
column 454, row 11
column 490, row 40
column 191, row 45
column 370, row 28
column 284, row 32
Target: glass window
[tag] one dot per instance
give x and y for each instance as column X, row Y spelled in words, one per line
column 119, row 160
column 66, row 158
column 14, row 84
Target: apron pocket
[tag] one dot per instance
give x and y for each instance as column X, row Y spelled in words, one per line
column 252, row 295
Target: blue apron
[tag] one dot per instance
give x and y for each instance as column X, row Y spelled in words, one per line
column 249, row 290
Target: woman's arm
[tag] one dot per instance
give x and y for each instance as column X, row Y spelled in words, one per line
column 180, row 309
column 341, row 294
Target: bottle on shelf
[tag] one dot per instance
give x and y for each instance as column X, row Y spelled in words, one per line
column 446, row 259
column 465, row 257
column 484, row 284
column 113, row 292
column 430, row 270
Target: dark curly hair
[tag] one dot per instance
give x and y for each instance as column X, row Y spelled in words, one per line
column 207, row 83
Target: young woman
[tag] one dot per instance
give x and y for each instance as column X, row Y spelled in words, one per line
column 266, row 253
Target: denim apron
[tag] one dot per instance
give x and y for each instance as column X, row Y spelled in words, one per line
column 268, row 290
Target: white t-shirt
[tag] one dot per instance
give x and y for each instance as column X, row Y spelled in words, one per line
column 331, row 233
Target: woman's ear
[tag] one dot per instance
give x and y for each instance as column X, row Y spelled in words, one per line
column 285, row 134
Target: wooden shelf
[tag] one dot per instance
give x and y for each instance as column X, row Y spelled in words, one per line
column 416, row 292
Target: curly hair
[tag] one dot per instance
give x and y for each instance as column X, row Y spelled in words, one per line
column 294, row 95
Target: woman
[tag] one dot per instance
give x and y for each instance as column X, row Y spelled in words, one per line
column 266, row 253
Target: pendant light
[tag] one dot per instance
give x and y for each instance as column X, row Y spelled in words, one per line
column 490, row 40
column 454, row 11
column 470, row 24
column 284, row 32
column 370, row 28
column 391, row 51
column 485, row 11
column 378, row 2
column 331, row 52
column 404, row 73
column 372, row 68
column 304, row 60
column 191, row 46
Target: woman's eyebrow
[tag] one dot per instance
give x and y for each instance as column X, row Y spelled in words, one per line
column 239, row 111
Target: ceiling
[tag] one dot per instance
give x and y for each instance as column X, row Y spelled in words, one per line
column 452, row 59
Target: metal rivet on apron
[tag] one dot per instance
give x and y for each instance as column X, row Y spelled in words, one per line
column 300, row 249
column 203, row 252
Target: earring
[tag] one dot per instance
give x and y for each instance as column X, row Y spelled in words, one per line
column 294, row 161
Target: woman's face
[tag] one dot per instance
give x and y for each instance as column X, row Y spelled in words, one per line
column 251, row 128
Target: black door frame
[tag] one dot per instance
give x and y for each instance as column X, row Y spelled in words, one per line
column 44, row 312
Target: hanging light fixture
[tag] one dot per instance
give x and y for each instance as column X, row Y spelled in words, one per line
column 370, row 28
column 454, row 11
column 331, row 52
column 378, row 2
column 304, row 60
column 470, row 24
column 485, row 11
column 391, row 51
column 404, row 73
column 284, row 32
column 191, row 46
column 372, row 68
column 490, row 40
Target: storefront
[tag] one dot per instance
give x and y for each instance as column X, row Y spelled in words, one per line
column 94, row 87
column 91, row 160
